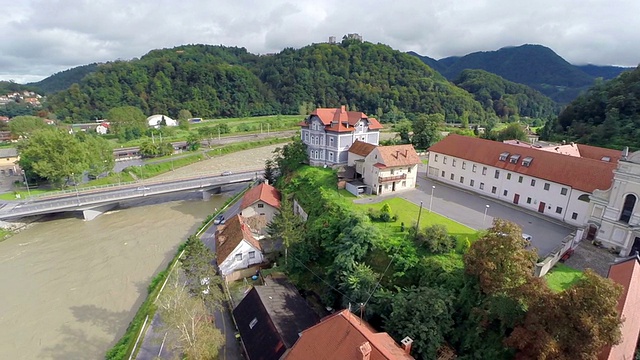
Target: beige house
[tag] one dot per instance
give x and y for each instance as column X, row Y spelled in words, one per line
column 8, row 157
column 384, row 169
column 262, row 200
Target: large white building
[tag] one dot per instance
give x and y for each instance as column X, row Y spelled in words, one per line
column 329, row 133
column 551, row 182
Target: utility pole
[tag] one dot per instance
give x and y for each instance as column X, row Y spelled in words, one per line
column 218, row 132
column 26, row 182
column 418, row 222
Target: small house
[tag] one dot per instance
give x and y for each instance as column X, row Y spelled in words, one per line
column 261, row 200
column 237, row 248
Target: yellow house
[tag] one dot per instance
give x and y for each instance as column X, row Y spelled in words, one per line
column 8, row 157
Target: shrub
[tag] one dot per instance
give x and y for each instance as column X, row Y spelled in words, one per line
column 436, row 239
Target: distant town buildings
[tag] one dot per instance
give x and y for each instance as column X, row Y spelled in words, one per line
column 354, row 36
column 28, row 97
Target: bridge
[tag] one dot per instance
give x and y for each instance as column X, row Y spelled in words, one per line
column 94, row 201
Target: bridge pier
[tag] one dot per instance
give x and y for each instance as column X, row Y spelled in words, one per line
column 206, row 193
column 90, row 214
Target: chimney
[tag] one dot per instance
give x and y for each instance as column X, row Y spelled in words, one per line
column 343, row 109
column 625, row 153
column 406, row 345
column 266, row 181
column 365, row 350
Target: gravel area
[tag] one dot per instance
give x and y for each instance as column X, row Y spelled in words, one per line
column 245, row 160
column 587, row 256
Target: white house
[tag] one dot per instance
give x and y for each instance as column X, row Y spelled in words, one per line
column 261, row 200
column 237, row 248
column 103, row 128
column 329, row 133
column 549, row 182
column 156, row 120
column 614, row 214
column 384, row 168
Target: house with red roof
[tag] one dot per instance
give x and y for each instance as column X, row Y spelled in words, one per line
column 627, row 274
column 553, row 183
column 384, row 169
column 103, row 128
column 261, row 200
column 236, row 246
column 329, row 133
column 345, row 336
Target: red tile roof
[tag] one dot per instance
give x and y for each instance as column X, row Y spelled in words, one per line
column 361, row 148
column 398, row 155
column 341, row 336
column 627, row 274
column 231, row 234
column 578, row 172
column 597, row 153
column 344, row 120
column 263, row 192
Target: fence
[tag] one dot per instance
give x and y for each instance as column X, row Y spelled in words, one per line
column 543, row 267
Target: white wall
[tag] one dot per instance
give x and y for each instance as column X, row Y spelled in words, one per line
column 230, row 264
column 372, row 173
column 260, row 208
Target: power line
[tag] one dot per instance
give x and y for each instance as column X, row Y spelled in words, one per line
column 378, row 284
column 321, row 279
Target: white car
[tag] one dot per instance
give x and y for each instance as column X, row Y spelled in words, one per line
column 527, row 237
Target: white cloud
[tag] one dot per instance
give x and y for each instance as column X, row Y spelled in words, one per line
column 42, row 37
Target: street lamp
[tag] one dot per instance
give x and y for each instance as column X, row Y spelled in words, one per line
column 75, row 184
column 433, row 187
column 26, row 182
column 485, row 214
column 418, row 222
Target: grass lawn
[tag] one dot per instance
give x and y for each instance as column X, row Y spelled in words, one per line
column 561, row 277
column 23, row 194
column 4, row 234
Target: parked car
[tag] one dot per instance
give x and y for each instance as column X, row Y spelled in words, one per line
column 227, row 173
column 219, row 220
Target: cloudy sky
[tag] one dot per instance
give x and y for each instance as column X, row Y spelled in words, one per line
column 41, row 37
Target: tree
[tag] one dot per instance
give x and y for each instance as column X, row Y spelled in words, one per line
column 513, row 131
column 99, row 153
column 200, row 274
column 404, row 129
column 53, row 154
column 127, row 122
column 425, row 130
column 425, row 315
column 193, row 141
column 207, row 132
column 359, row 285
column 291, row 157
column 184, row 114
column 270, row 171
column 148, row 148
column 188, row 322
column 285, row 226
column 436, row 239
column 23, row 126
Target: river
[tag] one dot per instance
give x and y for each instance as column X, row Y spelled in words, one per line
column 69, row 287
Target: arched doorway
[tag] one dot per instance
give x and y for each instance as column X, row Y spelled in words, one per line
column 627, row 208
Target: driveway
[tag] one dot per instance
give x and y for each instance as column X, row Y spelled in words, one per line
column 469, row 209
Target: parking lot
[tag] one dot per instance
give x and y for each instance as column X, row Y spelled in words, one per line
column 469, row 209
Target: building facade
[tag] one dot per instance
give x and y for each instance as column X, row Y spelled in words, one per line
column 614, row 212
column 548, row 182
column 261, row 200
column 329, row 133
column 237, row 248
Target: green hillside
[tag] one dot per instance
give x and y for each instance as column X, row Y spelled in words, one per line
column 504, row 97
column 63, row 79
column 607, row 115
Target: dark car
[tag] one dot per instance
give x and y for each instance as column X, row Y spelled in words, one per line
column 219, row 220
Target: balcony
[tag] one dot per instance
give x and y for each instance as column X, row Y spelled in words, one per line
column 384, row 179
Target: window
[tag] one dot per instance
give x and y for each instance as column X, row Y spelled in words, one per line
column 306, row 136
column 253, row 323
column 443, row 174
column 481, row 186
column 238, row 257
column 514, row 159
column 503, row 156
column 627, row 208
column 574, row 216
column 558, row 210
column 497, row 174
column 330, row 156
column 404, row 183
column 317, row 157
column 471, row 182
column 528, row 200
column 331, row 141
column 453, row 163
column 409, row 169
column 484, row 170
column 461, row 179
column 504, row 193
column 260, row 206
column 546, row 186
column 563, row 191
column 464, row 165
column 533, row 182
column 494, row 189
column 527, row 161
column 252, row 254
column 520, row 178
column 392, row 171
column 474, row 167
column 435, row 158
column 444, row 161
column 584, row 197
column 508, row 176
column 452, row 176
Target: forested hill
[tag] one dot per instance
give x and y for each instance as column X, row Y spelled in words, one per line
column 216, row 81
column 63, row 79
column 534, row 65
column 504, row 97
column 607, row 115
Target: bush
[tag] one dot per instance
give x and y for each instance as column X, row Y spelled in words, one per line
column 436, row 239
column 382, row 215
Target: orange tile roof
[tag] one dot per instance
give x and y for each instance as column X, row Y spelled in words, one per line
column 231, row 234
column 398, row 155
column 340, row 336
column 341, row 120
column 361, row 148
column 597, row 153
column 578, row 172
column 627, row 274
column 263, row 192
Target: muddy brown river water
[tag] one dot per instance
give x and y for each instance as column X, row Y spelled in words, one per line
column 69, row 287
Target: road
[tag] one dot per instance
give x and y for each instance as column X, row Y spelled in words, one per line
column 72, row 201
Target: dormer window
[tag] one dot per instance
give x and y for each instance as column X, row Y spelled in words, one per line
column 606, row 158
column 504, row 156
column 514, row 159
column 527, row 161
